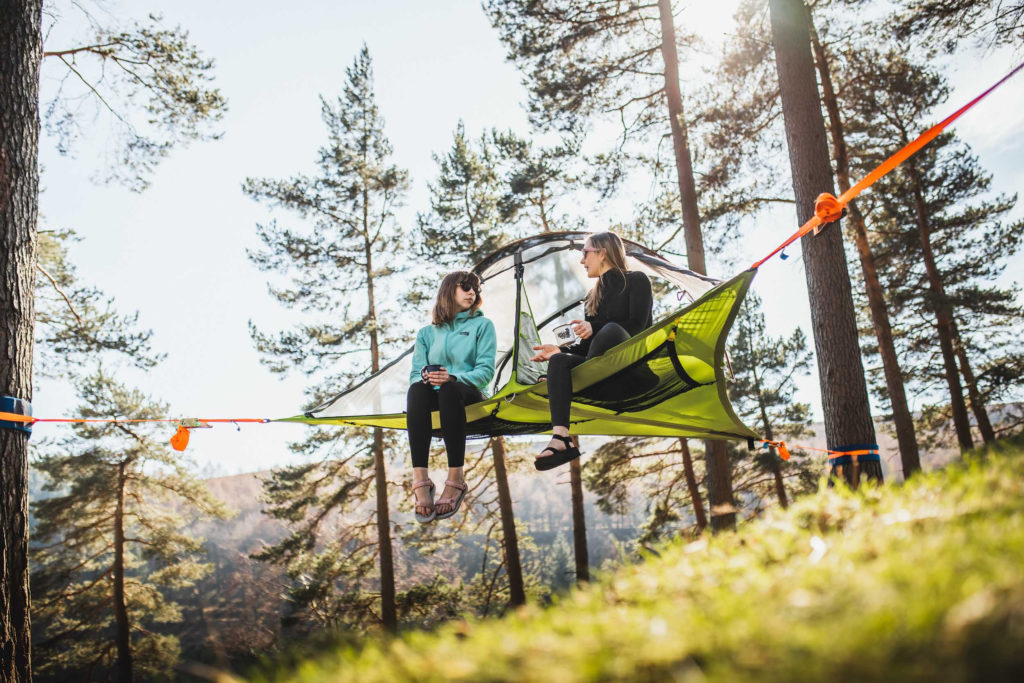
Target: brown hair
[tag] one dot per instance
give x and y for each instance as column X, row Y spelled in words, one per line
column 615, row 253
column 445, row 308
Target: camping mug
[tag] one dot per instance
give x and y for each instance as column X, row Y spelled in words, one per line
column 429, row 368
column 565, row 335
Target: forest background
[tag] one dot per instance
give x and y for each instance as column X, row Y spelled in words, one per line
column 435, row 65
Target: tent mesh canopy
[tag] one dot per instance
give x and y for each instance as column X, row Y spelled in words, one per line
column 666, row 381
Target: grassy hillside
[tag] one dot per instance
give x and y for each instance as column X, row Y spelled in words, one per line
column 922, row 581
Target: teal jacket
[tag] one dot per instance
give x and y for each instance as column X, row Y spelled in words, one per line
column 465, row 347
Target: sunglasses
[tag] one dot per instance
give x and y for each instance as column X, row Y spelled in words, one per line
column 587, row 250
column 469, row 286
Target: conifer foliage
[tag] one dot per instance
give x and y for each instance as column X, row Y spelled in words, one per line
column 464, row 225
column 75, row 321
column 843, row 387
column 588, row 60
column 113, row 73
column 764, row 384
column 108, row 543
column 464, row 222
column 338, row 269
column 943, row 241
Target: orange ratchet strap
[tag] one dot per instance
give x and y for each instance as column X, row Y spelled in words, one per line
column 828, row 208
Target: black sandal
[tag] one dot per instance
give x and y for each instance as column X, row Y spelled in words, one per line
column 557, row 457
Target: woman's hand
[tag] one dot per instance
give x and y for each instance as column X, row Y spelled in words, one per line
column 438, row 378
column 582, row 328
column 546, row 351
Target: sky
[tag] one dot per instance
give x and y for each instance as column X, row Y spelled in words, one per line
column 177, row 252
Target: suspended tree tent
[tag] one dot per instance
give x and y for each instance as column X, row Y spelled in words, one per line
column 666, row 381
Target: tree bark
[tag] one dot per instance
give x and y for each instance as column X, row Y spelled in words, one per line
column 20, row 54
column 943, row 316
column 516, row 590
column 902, row 419
column 123, row 637
column 988, row 435
column 388, row 607
column 719, row 469
column 691, row 484
column 769, row 434
column 840, row 369
column 579, row 522
column 680, row 145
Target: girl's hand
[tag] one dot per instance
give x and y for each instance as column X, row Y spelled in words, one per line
column 582, row 328
column 438, row 378
column 546, row 351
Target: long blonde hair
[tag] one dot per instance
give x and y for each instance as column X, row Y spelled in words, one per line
column 615, row 253
column 445, row 308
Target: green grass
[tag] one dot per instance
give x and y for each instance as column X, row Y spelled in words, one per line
column 923, row 581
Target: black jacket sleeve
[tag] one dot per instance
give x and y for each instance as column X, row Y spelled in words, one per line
column 641, row 301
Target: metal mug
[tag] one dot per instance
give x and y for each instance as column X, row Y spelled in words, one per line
column 565, row 335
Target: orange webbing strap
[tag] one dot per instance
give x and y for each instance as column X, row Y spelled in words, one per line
column 179, row 441
column 14, row 417
column 832, row 455
column 828, row 208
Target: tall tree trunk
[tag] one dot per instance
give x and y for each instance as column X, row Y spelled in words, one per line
column 902, row 419
column 579, row 522
column 388, row 608
column 719, row 469
column 691, row 485
column 943, row 316
column 769, row 434
column 20, row 53
column 988, row 435
column 844, row 391
column 516, row 591
column 123, row 637
column 680, row 145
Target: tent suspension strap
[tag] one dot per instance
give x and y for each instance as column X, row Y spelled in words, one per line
column 178, row 441
column 828, row 208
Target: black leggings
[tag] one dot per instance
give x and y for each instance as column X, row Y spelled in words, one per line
column 560, row 370
column 451, row 400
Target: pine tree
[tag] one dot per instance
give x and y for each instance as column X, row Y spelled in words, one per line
column 19, row 209
column 843, row 386
column 744, row 119
column 115, row 73
column 988, row 23
column 354, row 247
column 109, row 543
column 764, row 386
column 651, row 466
column 75, row 322
column 463, row 226
column 942, row 242
column 587, row 59
column 21, row 24
column 537, row 180
column 895, row 394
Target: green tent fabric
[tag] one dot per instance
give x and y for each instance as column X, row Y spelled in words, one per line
column 666, row 381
